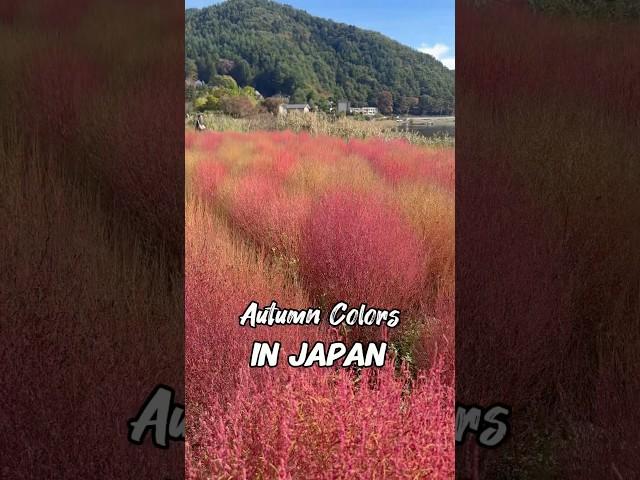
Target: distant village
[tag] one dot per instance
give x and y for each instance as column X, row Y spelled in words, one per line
column 224, row 95
column 343, row 107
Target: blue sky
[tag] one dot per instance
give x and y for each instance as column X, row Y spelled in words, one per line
column 427, row 25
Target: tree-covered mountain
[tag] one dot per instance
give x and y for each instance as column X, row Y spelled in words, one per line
column 282, row 50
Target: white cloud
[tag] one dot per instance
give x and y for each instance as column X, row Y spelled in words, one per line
column 436, row 50
column 439, row 51
column 449, row 62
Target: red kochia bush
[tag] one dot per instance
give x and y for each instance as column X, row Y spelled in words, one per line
column 209, row 142
column 280, row 229
column 260, row 209
column 397, row 161
column 314, row 423
column 220, row 281
column 357, row 248
column 208, row 176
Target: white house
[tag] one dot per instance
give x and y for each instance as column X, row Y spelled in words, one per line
column 367, row 111
column 295, row 107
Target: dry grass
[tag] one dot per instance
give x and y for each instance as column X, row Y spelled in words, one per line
column 321, row 124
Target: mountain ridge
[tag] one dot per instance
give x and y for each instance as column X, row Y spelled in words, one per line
column 279, row 49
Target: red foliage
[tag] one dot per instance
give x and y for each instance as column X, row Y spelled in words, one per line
column 208, row 142
column 208, row 176
column 315, row 424
column 399, row 161
column 260, row 208
column 220, row 281
column 307, row 249
column 358, row 248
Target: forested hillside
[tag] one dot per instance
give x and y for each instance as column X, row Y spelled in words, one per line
column 281, row 50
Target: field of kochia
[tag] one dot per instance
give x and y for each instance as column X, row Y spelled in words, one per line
column 311, row 221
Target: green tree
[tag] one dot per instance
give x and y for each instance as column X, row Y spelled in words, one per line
column 224, row 81
column 414, row 106
column 206, row 69
column 241, row 72
column 405, row 104
column 427, row 104
column 200, row 103
column 190, row 69
column 190, row 93
column 299, row 96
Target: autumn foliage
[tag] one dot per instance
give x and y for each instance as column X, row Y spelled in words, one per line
column 309, row 221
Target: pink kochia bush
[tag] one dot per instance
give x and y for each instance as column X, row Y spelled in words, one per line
column 398, row 161
column 221, row 278
column 357, row 248
column 308, row 221
column 313, row 424
column 262, row 210
column 208, row 177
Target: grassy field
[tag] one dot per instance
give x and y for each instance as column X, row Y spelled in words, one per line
column 321, row 124
column 308, row 220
